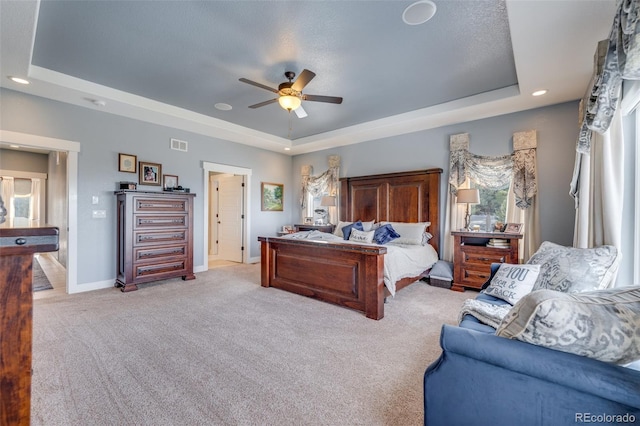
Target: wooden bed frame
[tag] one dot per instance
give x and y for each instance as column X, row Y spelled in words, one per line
column 352, row 275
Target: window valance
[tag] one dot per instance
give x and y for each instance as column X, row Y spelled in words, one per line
column 616, row 58
column 499, row 171
column 326, row 183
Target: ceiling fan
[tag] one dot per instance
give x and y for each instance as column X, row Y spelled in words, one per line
column 290, row 94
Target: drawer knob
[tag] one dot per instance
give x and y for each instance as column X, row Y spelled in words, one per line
column 21, row 241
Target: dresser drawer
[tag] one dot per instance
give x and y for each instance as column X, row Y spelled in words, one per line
column 474, row 255
column 156, row 270
column 143, row 254
column 143, row 221
column 476, row 276
column 160, row 205
column 160, row 237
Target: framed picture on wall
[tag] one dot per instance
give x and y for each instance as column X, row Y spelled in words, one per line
column 150, row 173
column 127, row 163
column 272, row 196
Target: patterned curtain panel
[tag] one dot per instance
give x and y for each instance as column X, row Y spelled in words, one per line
column 326, row 183
column 616, row 58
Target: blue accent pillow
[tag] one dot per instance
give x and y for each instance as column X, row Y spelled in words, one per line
column 385, row 234
column 346, row 230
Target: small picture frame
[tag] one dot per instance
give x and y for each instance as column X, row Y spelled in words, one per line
column 513, row 228
column 150, row 173
column 289, row 229
column 308, row 220
column 169, row 181
column 127, row 163
column 272, row 196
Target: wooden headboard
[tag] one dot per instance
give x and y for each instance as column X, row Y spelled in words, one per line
column 394, row 197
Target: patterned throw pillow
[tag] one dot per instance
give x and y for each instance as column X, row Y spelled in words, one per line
column 573, row 270
column 512, row 282
column 346, row 231
column 601, row 324
column 361, row 236
column 385, row 234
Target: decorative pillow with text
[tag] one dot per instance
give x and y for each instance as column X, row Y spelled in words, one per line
column 361, row 236
column 512, row 282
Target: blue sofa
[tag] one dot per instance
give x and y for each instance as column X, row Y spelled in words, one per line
column 482, row 379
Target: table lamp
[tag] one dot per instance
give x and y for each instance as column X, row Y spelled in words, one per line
column 467, row 196
column 328, row 201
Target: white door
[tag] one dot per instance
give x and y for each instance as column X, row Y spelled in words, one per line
column 230, row 217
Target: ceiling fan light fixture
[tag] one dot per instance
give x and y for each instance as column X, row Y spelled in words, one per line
column 419, row 12
column 289, row 102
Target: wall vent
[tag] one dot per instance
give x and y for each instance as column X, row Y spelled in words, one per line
column 179, row 145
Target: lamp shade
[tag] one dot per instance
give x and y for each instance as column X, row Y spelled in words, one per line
column 328, row 201
column 289, row 102
column 471, row 196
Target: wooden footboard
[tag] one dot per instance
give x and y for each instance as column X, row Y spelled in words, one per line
column 345, row 275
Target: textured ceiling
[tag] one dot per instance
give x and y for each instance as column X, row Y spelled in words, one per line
column 182, row 57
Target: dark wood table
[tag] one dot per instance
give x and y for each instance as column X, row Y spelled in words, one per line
column 17, row 247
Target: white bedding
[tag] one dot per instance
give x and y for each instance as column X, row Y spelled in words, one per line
column 401, row 260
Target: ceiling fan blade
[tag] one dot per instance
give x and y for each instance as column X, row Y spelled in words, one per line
column 318, row 98
column 300, row 112
column 303, row 79
column 262, row 86
column 261, row 104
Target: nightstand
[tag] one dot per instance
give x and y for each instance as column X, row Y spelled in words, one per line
column 321, row 228
column 474, row 252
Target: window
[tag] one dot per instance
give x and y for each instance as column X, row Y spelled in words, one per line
column 491, row 210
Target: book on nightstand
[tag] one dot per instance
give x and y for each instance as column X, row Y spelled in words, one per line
column 497, row 242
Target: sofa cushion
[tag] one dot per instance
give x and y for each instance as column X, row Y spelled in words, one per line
column 512, row 282
column 573, row 270
column 602, row 324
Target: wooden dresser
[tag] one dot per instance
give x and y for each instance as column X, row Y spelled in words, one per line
column 155, row 237
column 17, row 247
column 472, row 256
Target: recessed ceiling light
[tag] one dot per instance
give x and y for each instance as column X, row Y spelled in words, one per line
column 419, row 12
column 223, row 107
column 539, row 92
column 14, row 146
column 19, row 80
column 286, row 148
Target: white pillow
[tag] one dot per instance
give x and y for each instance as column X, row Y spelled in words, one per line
column 338, row 230
column 512, row 282
column 410, row 233
column 368, row 226
column 361, row 236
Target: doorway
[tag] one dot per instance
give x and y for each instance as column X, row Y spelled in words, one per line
column 226, row 211
column 226, row 190
column 69, row 183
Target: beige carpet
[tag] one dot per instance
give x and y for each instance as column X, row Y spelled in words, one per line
column 221, row 350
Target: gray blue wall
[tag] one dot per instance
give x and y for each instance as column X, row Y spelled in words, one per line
column 102, row 136
column 557, row 132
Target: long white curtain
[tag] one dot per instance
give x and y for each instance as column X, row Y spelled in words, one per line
column 600, row 187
